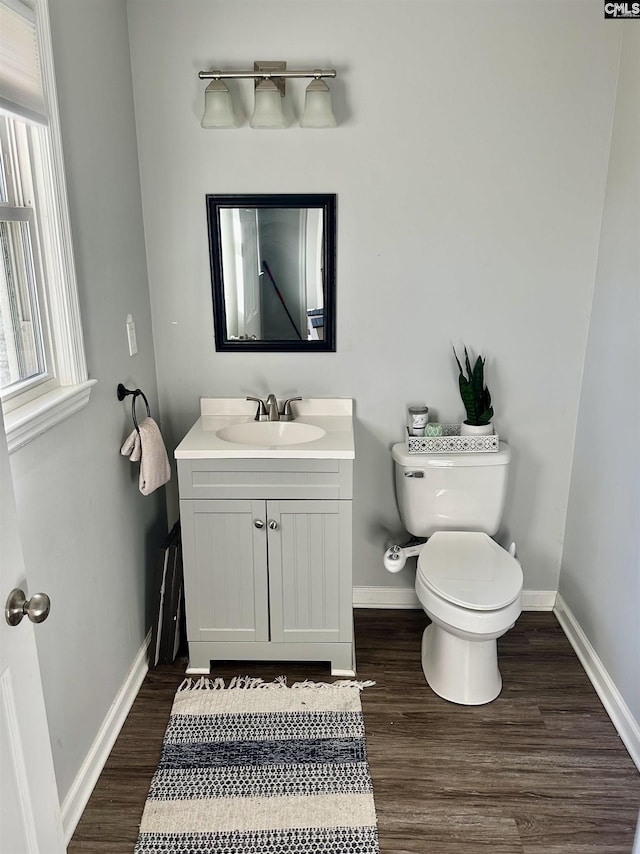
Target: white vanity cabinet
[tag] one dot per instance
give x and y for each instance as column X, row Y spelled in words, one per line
column 267, row 560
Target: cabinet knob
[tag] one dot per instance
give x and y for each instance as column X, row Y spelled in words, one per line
column 273, row 524
column 258, row 523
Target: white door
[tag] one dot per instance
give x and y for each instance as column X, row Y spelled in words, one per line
column 29, row 805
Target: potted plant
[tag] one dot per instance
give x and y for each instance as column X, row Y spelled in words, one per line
column 475, row 397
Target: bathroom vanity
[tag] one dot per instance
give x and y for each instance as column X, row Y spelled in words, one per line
column 266, row 530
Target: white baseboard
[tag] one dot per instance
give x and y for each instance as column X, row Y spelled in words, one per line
column 538, row 600
column 405, row 597
column 87, row 777
column 385, row 597
column 624, row 722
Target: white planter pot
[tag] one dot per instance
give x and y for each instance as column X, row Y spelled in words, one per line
column 476, row 429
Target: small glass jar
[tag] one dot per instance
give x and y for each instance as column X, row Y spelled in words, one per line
column 417, row 417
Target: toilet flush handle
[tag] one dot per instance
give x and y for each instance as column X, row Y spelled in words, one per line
column 414, row 474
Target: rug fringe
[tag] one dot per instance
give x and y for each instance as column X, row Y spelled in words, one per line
column 205, row 683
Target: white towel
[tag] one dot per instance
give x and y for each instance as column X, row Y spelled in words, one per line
column 148, row 447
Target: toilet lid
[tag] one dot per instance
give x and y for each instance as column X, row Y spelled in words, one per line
column 470, row 569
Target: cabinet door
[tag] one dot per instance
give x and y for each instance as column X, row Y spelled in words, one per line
column 225, row 570
column 310, row 584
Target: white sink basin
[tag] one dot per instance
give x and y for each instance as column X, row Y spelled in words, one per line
column 226, row 429
column 265, row 434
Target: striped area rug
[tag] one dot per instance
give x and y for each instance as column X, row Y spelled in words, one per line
column 261, row 768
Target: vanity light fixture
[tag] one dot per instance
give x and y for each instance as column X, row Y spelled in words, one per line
column 269, row 83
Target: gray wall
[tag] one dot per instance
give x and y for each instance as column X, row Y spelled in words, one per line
column 469, row 166
column 600, row 578
column 89, row 536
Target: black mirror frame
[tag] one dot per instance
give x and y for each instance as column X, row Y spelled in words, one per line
column 326, row 201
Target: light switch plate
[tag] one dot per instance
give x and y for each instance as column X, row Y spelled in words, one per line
column 131, row 336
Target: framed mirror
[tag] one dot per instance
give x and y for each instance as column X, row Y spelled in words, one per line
column 273, row 272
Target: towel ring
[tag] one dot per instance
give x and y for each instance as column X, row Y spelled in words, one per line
column 122, row 392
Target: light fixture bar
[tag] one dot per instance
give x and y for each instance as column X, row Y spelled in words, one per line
column 266, row 74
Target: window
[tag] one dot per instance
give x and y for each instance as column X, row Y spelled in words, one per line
column 26, row 360
column 43, row 376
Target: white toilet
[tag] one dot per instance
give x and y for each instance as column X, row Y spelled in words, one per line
column 468, row 585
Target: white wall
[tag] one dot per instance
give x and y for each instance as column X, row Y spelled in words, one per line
column 600, row 578
column 470, row 167
column 89, row 537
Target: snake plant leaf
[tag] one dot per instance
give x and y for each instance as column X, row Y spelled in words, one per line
column 477, row 377
column 470, row 374
column 485, row 413
column 468, row 398
column 458, row 361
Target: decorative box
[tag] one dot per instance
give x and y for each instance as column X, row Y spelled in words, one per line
column 451, row 442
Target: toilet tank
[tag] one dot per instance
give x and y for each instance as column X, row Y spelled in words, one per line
column 451, row 492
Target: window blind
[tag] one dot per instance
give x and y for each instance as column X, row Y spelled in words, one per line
column 21, row 89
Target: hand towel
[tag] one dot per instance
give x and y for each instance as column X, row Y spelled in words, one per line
column 148, row 447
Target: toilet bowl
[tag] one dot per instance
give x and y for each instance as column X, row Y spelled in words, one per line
column 471, row 590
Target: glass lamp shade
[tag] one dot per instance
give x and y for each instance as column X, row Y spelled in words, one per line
column 268, row 112
column 317, row 107
column 218, row 107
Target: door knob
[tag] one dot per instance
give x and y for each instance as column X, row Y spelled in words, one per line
column 37, row 608
column 273, row 524
column 258, row 523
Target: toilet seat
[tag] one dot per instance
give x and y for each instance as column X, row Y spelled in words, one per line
column 469, row 569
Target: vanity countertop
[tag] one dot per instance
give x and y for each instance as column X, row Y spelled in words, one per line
column 333, row 415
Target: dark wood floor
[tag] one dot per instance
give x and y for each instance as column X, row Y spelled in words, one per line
column 540, row 770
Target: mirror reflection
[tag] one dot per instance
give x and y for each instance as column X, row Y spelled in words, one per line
column 273, row 271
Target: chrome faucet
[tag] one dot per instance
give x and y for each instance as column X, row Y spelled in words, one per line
column 268, row 411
